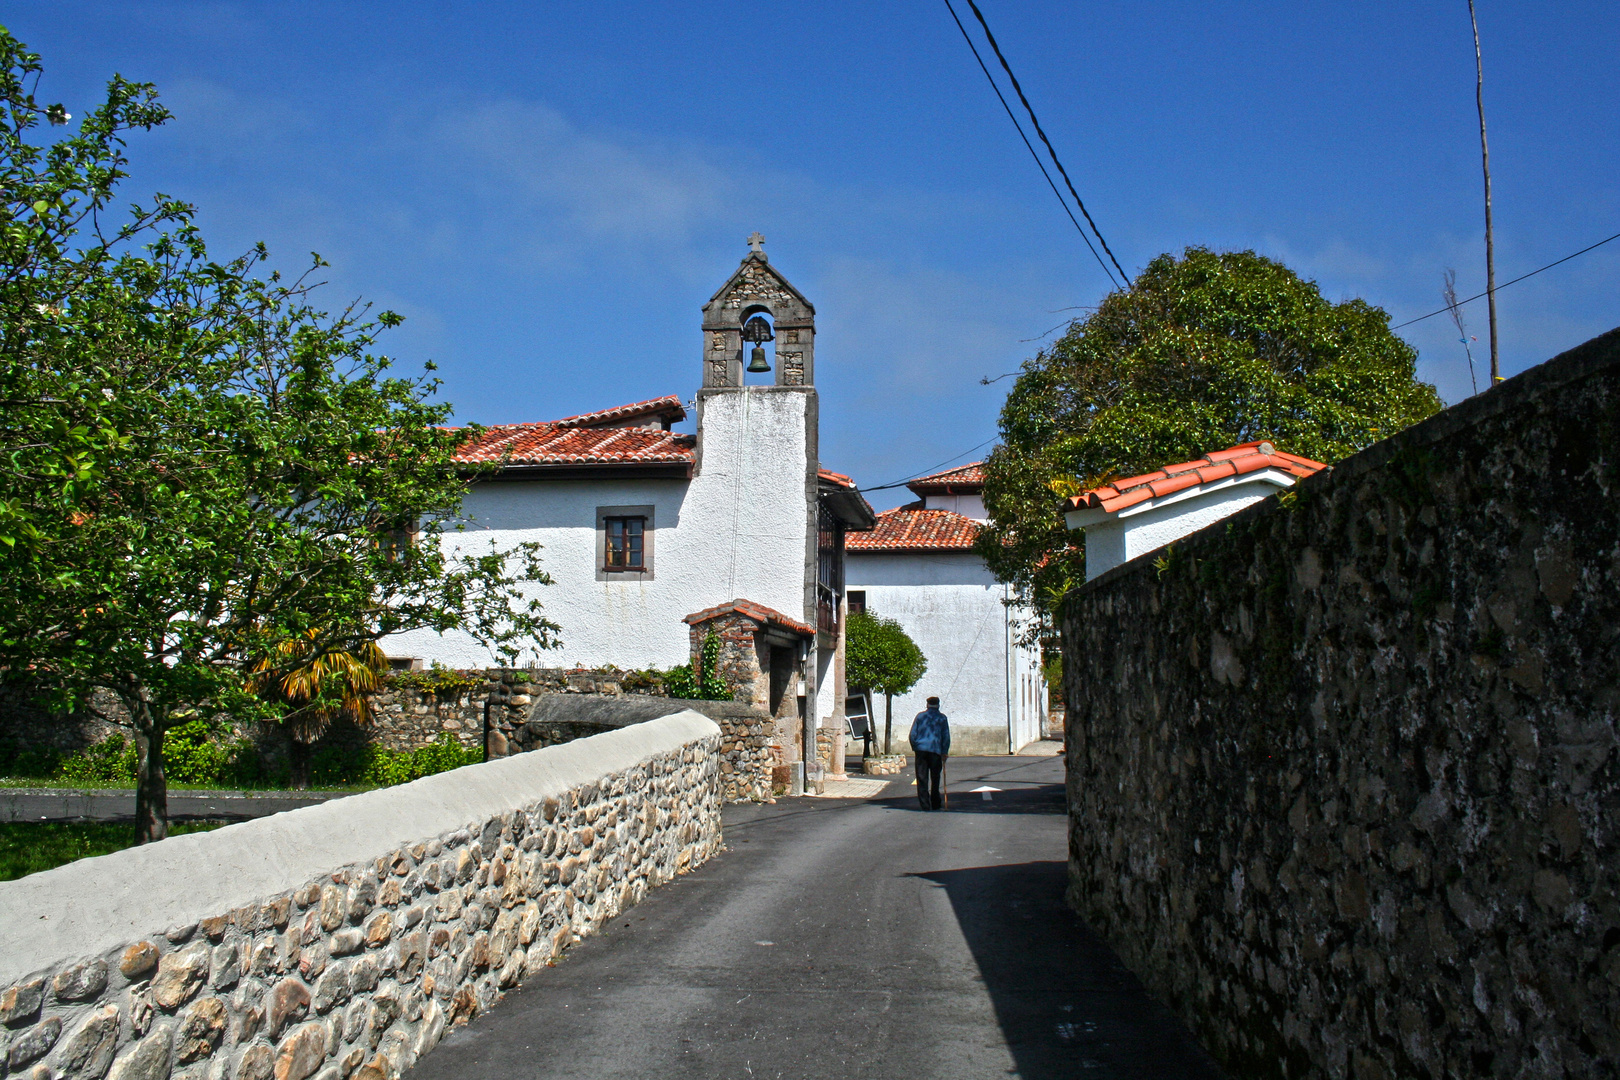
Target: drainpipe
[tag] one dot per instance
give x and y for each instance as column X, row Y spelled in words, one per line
column 1006, row 673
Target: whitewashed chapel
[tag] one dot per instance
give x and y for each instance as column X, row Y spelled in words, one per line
column 654, row 537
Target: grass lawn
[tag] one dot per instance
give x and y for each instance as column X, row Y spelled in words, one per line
column 37, row 784
column 27, row 847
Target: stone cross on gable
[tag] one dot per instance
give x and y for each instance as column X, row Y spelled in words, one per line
column 756, row 242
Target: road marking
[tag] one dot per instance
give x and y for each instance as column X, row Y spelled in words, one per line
column 985, row 790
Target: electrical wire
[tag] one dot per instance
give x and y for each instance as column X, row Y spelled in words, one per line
column 931, row 468
column 1505, row 284
column 1038, row 130
column 1039, row 164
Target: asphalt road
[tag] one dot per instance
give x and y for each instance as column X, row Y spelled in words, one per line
column 845, row 938
column 73, row 804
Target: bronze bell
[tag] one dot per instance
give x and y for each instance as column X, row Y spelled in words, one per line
column 758, row 331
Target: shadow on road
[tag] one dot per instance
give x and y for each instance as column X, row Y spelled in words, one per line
column 1065, row 1003
column 1025, row 799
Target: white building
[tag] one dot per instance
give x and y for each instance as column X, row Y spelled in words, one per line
column 642, row 526
column 918, row 568
column 1129, row 518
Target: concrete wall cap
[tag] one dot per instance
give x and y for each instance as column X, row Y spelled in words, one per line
column 92, row 906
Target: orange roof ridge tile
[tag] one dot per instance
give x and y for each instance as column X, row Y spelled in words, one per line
column 758, row 612
column 1238, row 460
column 969, row 476
column 669, row 403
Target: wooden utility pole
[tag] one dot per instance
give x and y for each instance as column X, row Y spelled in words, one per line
column 1485, row 156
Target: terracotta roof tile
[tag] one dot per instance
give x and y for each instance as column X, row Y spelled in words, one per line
column 908, row 528
column 583, row 440
column 667, row 408
column 1234, row 461
column 962, row 480
column 758, row 612
column 831, row 477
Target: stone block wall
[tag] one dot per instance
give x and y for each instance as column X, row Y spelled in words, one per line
column 341, row 941
column 738, row 664
column 1342, row 769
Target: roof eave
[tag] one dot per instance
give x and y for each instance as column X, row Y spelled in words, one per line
column 1081, row 517
column 587, row 470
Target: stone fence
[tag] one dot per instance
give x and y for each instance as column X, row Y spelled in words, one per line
column 1342, row 774
column 341, row 940
column 745, row 731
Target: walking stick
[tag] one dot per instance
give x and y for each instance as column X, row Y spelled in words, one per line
column 945, row 781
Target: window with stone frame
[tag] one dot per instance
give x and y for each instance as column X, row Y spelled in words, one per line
column 624, row 543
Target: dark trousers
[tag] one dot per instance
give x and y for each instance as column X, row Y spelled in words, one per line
column 928, row 770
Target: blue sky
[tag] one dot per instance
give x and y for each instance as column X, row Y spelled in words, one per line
column 550, row 192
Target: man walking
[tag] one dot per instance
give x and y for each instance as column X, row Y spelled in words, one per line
column 931, row 743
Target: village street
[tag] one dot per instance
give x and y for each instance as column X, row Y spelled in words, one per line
column 847, row 938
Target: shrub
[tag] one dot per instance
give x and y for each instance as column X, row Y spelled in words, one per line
column 706, row 684
column 367, row 763
column 439, row 681
column 111, row 761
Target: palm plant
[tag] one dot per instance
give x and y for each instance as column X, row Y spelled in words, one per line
column 316, row 685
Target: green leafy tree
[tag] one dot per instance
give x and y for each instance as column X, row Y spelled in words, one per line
column 204, row 466
column 879, row 655
column 1203, row 352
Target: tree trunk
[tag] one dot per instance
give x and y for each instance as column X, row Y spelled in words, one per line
column 298, row 757
column 888, row 723
column 151, row 786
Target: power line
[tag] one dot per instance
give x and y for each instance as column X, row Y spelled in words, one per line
column 1032, row 119
column 1505, row 284
column 931, row 468
column 1039, row 164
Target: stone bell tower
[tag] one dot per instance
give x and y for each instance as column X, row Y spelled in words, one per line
column 757, row 289
column 756, row 470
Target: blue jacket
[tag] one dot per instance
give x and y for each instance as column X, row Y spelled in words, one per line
column 931, row 733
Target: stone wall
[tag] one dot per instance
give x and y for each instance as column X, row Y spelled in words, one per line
column 1342, row 775
column 342, row 940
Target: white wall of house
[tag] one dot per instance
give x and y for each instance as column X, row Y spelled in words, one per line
column 969, row 506
column 1112, row 539
column 737, row 529
column 952, row 607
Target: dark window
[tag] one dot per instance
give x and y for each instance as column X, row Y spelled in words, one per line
column 626, row 540
column 857, row 601
column 829, row 571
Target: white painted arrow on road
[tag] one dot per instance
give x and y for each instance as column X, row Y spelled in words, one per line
column 985, row 790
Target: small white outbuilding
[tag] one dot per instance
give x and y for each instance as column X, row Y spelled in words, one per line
column 1128, row 518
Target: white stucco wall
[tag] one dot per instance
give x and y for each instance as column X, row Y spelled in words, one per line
column 737, row 529
column 952, row 607
column 1140, row 529
column 969, row 506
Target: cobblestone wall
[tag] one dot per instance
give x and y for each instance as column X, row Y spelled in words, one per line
column 1342, row 773
column 357, row 971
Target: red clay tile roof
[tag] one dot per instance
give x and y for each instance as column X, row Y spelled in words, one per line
column 962, row 480
column 548, row 444
column 583, row 440
column 758, row 612
column 1236, row 461
column 831, row 477
column 910, row 528
column 667, row 408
